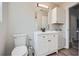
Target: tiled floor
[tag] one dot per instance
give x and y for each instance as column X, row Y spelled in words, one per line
column 66, row 52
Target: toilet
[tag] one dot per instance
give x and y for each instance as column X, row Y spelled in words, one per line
column 20, row 45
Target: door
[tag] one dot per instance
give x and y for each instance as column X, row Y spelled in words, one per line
column 77, row 31
column 61, row 40
column 53, row 42
column 74, row 31
column 41, row 45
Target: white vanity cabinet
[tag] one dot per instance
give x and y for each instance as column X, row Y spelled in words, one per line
column 56, row 15
column 45, row 43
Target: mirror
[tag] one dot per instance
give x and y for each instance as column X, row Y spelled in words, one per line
column 42, row 18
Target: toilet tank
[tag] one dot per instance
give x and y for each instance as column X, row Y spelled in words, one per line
column 20, row 39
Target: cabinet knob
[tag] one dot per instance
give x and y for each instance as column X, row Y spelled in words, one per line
column 43, row 36
column 49, row 40
column 53, row 35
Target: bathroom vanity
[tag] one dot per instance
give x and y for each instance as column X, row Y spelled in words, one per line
column 52, row 21
column 46, row 43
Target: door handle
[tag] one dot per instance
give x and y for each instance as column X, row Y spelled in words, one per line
column 77, row 31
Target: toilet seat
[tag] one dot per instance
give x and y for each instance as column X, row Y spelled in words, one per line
column 20, row 51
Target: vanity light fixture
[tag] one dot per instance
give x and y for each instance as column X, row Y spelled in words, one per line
column 42, row 5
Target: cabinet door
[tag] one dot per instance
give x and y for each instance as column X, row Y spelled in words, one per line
column 41, row 45
column 49, row 16
column 52, row 43
column 54, row 15
column 58, row 15
column 61, row 40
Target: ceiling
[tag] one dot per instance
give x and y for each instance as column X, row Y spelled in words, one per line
column 53, row 4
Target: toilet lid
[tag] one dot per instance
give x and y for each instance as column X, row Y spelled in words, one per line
column 19, row 51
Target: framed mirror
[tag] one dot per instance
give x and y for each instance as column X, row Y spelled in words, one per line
column 41, row 15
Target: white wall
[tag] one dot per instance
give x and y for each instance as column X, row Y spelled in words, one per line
column 3, row 28
column 20, row 20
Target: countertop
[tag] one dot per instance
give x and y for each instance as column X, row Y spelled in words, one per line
column 40, row 32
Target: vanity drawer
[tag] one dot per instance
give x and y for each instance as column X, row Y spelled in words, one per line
column 43, row 36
